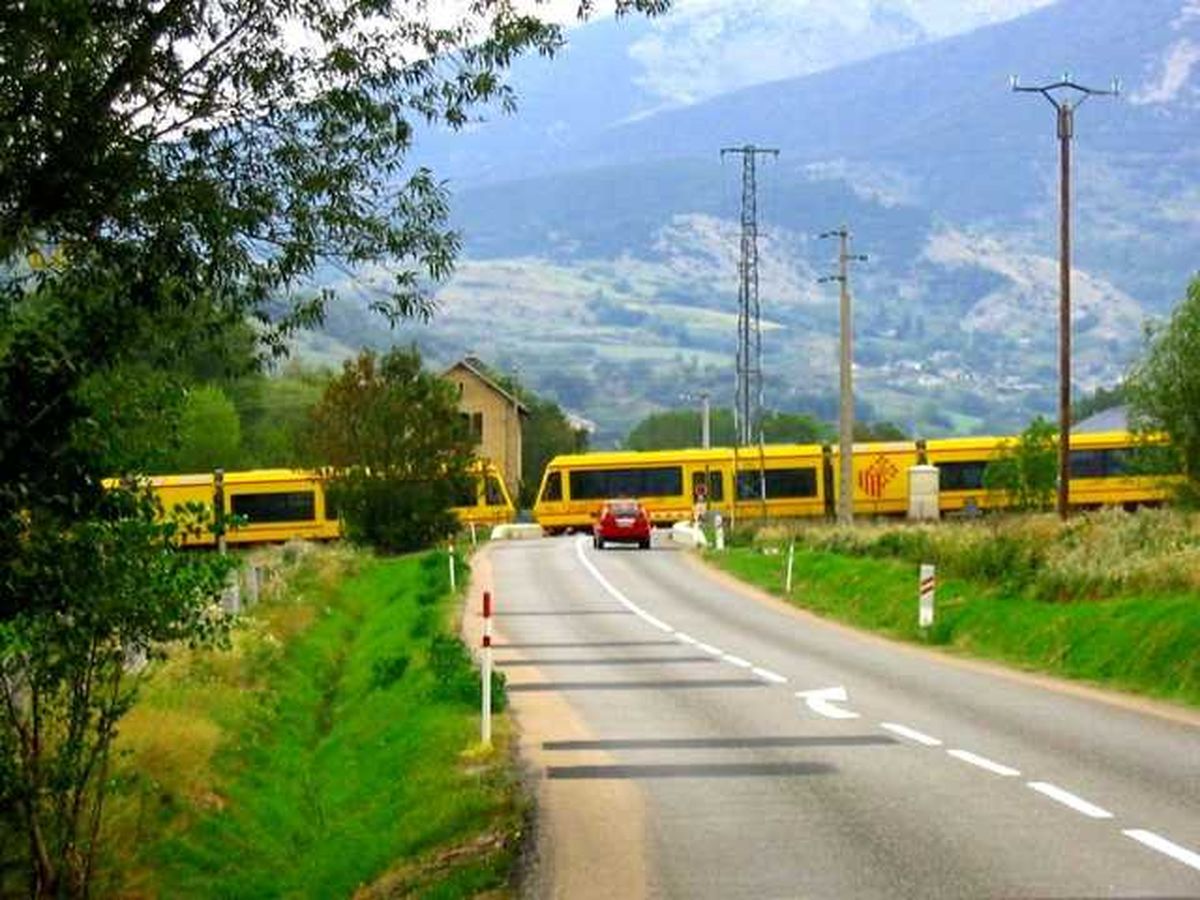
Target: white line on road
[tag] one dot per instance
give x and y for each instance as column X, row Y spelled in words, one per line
column 1068, row 799
column 912, row 734
column 768, row 675
column 737, row 661
column 709, row 648
column 686, row 638
column 1162, row 845
column 984, row 763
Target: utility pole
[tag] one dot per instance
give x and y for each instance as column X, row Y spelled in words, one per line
column 845, row 507
column 749, row 385
column 1065, row 96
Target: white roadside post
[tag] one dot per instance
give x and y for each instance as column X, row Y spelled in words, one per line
column 473, row 542
column 719, row 524
column 927, row 585
column 787, row 588
column 453, row 585
column 485, row 735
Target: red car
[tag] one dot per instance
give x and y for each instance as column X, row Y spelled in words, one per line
column 622, row 522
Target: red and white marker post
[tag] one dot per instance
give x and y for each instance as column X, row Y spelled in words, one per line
column 925, row 604
column 485, row 735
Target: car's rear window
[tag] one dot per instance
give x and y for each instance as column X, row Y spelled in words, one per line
column 623, row 509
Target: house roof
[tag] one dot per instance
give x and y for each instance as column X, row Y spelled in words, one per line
column 1115, row 418
column 480, row 371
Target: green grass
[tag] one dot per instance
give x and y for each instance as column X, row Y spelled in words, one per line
column 343, row 720
column 1145, row 644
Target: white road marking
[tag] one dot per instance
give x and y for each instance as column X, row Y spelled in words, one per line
column 657, row 623
column 1068, row 799
column 768, row 675
column 821, row 701
column 1162, row 845
column 912, row 734
column 984, row 763
column 765, row 674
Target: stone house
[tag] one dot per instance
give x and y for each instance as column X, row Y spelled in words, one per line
column 493, row 416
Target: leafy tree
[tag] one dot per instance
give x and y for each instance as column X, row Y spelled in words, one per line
column 545, row 433
column 395, row 450
column 680, row 428
column 1026, row 470
column 1164, row 386
column 210, row 433
column 169, row 170
column 879, row 431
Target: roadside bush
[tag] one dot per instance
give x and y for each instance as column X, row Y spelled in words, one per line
column 1095, row 555
column 455, row 678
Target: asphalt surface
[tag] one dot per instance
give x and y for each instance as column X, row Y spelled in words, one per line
column 774, row 755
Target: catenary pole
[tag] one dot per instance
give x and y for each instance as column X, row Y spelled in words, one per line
column 1065, row 96
column 845, row 506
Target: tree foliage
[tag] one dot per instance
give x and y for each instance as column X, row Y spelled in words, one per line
column 169, row 171
column 680, row 428
column 545, row 433
column 1164, row 386
column 396, row 452
column 1026, row 470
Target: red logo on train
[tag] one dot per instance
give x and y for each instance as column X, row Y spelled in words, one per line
column 874, row 479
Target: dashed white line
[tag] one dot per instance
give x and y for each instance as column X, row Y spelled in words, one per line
column 1054, row 792
column 768, row 675
column 984, row 763
column 1162, row 845
column 737, row 661
column 911, row 733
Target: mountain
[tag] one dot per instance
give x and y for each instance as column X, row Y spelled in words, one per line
column 601, row 225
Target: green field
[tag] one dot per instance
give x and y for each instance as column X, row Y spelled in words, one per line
column 332, row 749
column 997, row 601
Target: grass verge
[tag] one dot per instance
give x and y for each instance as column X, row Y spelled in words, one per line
column 330, row 753
column 1141, row 643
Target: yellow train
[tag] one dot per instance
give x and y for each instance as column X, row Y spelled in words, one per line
column 270, row 505
column 799, row 480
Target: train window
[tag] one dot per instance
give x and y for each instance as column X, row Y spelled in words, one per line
column 288, row 506
column 465, row 492
column 598, row 484
column 552, row 490
column 780, row 483
column 1089, row 463
column 493, row 492
column 716, row 484
column 961, row 476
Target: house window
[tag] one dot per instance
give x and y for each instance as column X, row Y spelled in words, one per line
column 477, row 427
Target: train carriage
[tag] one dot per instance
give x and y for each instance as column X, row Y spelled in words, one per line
column 272, row 505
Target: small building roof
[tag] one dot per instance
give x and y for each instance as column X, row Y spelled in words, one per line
column 1115, row 418
column 477, row 368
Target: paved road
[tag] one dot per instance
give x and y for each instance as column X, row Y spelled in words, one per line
column 769, row 754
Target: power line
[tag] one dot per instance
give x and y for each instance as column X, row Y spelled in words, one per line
column 1065, row 96
column 748, row 402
